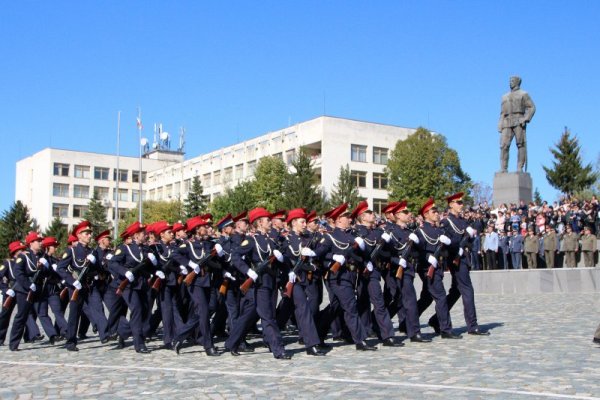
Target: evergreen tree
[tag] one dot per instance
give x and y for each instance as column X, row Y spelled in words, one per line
column 269, row 183
column 14, row 225
column 153, row 210
column 96, row 214
column 567, row 173
column 58, row 230
column 423, row 165
column 234, row 200
column 345, row 191
column 300, row 188
column 537, row 197
column 195, row 203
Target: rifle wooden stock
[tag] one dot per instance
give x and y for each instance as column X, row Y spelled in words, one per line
column 462, row 245
column 399, row 272
column 75, row 295
column 63, row 294
column 189, row 279
column 30, row 296
column 335, row 267
column 244, row 287
column 179, row 279
column 224, row 286
column 8, row 302
column 289, row 290
column 122, row 286
column 157, row 284
column 430, row 272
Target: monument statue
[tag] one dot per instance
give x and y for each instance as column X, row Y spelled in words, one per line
column 516, row 111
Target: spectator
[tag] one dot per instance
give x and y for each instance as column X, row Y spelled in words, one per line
column 490, row 247
column 531, row 248
column 516, row 249
column 503, row 247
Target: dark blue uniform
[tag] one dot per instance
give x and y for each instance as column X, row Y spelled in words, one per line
column 169, row 292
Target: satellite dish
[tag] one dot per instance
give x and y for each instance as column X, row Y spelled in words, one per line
column 164, row 136
column 154, row 145
column 144, row 141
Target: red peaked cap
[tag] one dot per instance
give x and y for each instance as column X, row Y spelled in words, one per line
column 32, row 237
column 207, row 217
column 72, row 239
column 102, row 235
column 150, row 228
column 429, row 204
column 296, row 213
column 390, row 207
column 278, row 214
column 132, row 229
column 362, row 207
column 311, row 216
column 400, row 206
column 49, row 241
column 240, row 216
column 194, row 222
column 257, row 213
column 455, row 196
column 338, row 211
column 15, row 246
column 178, row 226
column 82, row 227
column 161, row 226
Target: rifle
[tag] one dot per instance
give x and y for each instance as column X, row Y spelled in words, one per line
column 405, row 253
column 80, row 278
column 299, row 265
column 463, row 243
column 135, row 270
column 436, row 254
column 33, row 280
column 8, row 302
column 224, row 286
column 335, row 267
column 64, row 293
column 189, row 279
column 263, row 267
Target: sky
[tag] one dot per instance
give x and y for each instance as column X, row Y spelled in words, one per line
column 228, row 71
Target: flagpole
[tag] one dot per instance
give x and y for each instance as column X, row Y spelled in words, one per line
column 116, row 232
column 139, row 125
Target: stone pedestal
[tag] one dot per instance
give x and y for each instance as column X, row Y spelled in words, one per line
column 512, row 187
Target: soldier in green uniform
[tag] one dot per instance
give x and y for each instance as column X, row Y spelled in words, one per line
column 570, row 246
column 550, row 246
column 532, row 247
column 589, row 246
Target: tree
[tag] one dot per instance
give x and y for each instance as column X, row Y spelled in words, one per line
column 14, row 225
column 567, row 173
column 234, row 200
column 423, row 165
column 195, row 203
column 58, row 230
column 96, row 214
column 300, row 188
column 537, row 197
column 269, row 183
column 481, row 192
column 345, row 191
column 153, row 210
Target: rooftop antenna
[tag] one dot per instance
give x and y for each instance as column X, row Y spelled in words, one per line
column 181, row 139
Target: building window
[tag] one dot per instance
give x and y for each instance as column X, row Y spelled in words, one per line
column 135, row 176
column 82, row 171
column 251, row 168
column 101, row 173
column 289, row 156
column 61, row 169
column 217, row 178
column 152, row 194
column 122, row 175
column 186, row 185
column 60, row 210
column 251, row 151
column 278, row 155
column 60, row 190
column 79, row 211
column 122, row 194
column 227, row 175
column 239, row 171
column 135, row 197
column 358, row 153
column 168, row 191
column 205, row 180
column 378, row 205
column 379, row 181
column 122, row 213
column 101, row 192
column 159, row 192
column 176, row 189
column 359, row 178
column 81, row 191
column 380, row 155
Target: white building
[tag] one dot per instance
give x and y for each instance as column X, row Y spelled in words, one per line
column 56, row 182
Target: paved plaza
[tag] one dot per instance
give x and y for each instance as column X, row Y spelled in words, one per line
column 540, row 347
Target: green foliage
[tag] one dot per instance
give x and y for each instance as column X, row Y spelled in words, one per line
column 14, row 225
column 345, row 191
column 269, row 183
column 58, row 230
column 567, row 173
column 195, row 203
column 96, row 214
column 537, row 197
column 153, row 211
column 234, row 200
column 300, row 187
column 423, row 165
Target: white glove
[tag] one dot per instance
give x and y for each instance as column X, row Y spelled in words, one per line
column 402, row 262
column 252, row 275
column 91, row 258
column 160, row 274
column 109, row 257
column 54, row 267
column 152, row 259
column 433, row 261
column 360, row 242
column 228, row 275
column 219, row 249
column 44, row 262
column 370, row 266
column 77, row 285
column 33, row 288
column 386, row 236
column 308, row 252
column 278, row 255
column 445, row 239
column 414, row 238
column 461, row 252
column 194, row 266
column 10, row 292
column 472, row 232
column 292, row 277
column 183, row 270
column 339, row 259
column 129, row 276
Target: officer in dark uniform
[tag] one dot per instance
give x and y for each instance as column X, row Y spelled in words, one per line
column 195, row 255
column 7, row 282
column 431, row 241
column 256, row 255
column 458, row 261
column 336, row 251
column 50, row 294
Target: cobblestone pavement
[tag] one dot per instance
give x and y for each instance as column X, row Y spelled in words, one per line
column 540, row 347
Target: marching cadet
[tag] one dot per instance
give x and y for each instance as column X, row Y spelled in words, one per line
column 431, row 241
column 369, row 279
column 7, row 282
column 254, row 258
column 403, row 243
column 129, row 266
column 50, row 293
column 392, row 295
column 336, row 250
column 589, row 246
column 461, row 236
column 313, row 229
column 195, row 254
